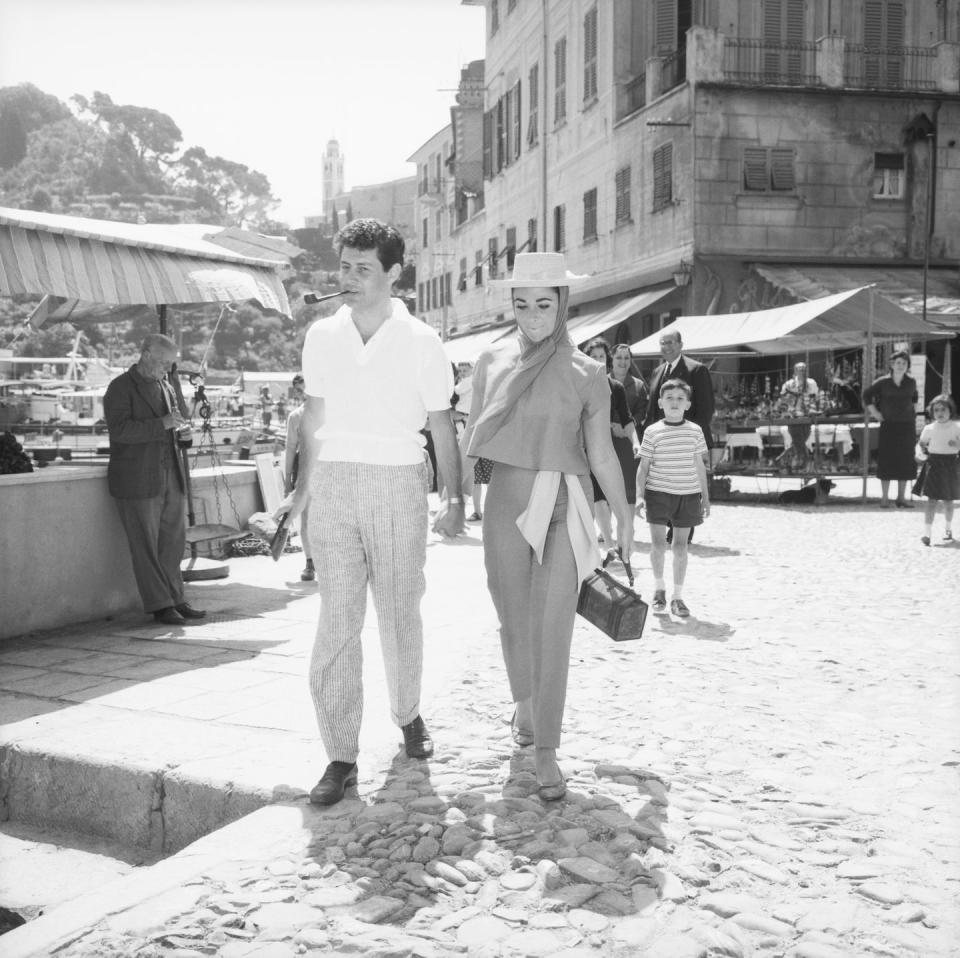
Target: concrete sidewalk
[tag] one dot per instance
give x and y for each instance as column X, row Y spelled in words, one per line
column 777, row 771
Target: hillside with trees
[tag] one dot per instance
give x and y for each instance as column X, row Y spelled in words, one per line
column 100, row 159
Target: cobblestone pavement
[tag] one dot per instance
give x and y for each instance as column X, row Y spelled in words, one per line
column 776, row 776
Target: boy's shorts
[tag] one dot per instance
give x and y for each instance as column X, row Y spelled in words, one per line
column 664, row 508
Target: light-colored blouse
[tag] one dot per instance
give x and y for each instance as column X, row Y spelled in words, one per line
column 545, row 429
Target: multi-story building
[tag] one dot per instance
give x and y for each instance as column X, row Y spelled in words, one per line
column 708, row 156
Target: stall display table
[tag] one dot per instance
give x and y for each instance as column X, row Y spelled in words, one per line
column 832, row 441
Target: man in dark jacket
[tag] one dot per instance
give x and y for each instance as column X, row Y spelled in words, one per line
column 676, row 365
column 145, row 476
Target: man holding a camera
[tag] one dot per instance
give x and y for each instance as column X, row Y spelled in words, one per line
column 146, row 477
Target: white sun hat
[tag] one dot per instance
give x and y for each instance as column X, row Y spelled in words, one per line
column 539, row 269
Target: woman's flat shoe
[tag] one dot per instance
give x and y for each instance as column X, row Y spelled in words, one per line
column 520, row 736
column 904, row 505
column 554, row 791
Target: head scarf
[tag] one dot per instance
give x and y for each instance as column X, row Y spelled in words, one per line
column 533, row 357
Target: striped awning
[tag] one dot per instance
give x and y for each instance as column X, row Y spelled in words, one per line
column 122, row 264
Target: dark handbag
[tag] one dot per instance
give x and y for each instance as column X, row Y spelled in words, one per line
column 610, row 605
column 279, row 541
column 921, row 477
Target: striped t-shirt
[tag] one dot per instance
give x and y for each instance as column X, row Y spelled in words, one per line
column 673, row 449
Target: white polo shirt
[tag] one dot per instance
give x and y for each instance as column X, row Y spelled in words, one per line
column 376, row 394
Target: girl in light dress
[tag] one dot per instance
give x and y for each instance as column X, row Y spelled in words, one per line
column 938, row 448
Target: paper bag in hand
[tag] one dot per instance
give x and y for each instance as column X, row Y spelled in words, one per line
column 279, row 541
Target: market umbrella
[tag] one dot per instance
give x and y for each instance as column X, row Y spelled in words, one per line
column 101, row 263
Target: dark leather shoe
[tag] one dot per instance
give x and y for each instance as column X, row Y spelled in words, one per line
column 416, row 739
column 338, row 777
column 169, row 616
column 189, row 612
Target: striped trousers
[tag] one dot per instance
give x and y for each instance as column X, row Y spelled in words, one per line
column 368, row 528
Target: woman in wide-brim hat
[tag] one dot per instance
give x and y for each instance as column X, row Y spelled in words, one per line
column 541, row 414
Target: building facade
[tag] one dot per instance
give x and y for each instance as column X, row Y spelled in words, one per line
column 707, row 156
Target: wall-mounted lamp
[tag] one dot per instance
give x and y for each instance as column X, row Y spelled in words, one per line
column 682, row 274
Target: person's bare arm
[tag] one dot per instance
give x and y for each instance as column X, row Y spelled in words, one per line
column 450, row 517
column 310, row 422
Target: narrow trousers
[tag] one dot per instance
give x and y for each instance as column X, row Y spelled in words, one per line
column 367, row 527
column 536, row 603
column 156, row 534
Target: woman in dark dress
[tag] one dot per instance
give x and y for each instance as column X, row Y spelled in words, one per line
column 625, row 442
column 892, row 400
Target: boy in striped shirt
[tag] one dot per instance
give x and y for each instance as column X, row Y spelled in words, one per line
column 672, row 487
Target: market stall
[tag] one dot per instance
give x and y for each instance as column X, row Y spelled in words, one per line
column 752, row 355
column 104, row 271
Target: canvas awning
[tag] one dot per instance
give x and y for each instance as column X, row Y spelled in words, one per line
column 589, row 324
column 100, row 262
column 466, row 348
column 901, row 285
column 831, row 322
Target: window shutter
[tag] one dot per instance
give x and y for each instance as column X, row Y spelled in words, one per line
column 662, row 176
column 622, row 186
column 560, row 80
column 782, row 176
column 517, row 121
column 665, row 26
column 755, row 168
column 590, row 55
column 500, row 152
column 532, row 113
column 873, row 24
column 508, row 128
column 488, row 145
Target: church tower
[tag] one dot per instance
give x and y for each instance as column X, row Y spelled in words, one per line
column 332, row 176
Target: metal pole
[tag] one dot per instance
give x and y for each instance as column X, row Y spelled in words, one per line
column 542, row 244
column 867, row 379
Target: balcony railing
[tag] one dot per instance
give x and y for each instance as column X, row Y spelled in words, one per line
column 770, row 64
column 674, row 69
column 634, row 94
column 897, row 68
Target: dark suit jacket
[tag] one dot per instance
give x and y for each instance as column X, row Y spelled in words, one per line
column 701, row 403
column 138, row 438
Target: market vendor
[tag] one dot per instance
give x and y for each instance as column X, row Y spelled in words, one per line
column 800, row 397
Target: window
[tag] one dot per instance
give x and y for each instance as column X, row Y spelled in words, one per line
column 768, row 170
column 559, row 228
column 783, row 31
column 516, row 126
column 560, row 81
column 590, row 56
column 421, row 299
column 422, row 185
column 534, row 103
column 662, row 177
column 446, row 286
column 622, row 189
column 426, row 222
column 494, row 16
column 590, row 215
column 462, row 281
column 488, row 130
column 532, row 235
column 501, row 131
column 888, row 176
column 478, row 268
column 438, row 227
column 492, row 257
column 433, row 292
column 883, row 36
column 511, row 248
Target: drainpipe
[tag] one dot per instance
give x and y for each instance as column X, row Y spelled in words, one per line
column 542, row 245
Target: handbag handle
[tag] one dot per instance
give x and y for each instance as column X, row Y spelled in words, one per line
column 618, row 554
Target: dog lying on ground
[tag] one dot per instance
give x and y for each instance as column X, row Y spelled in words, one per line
column 808, row 494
